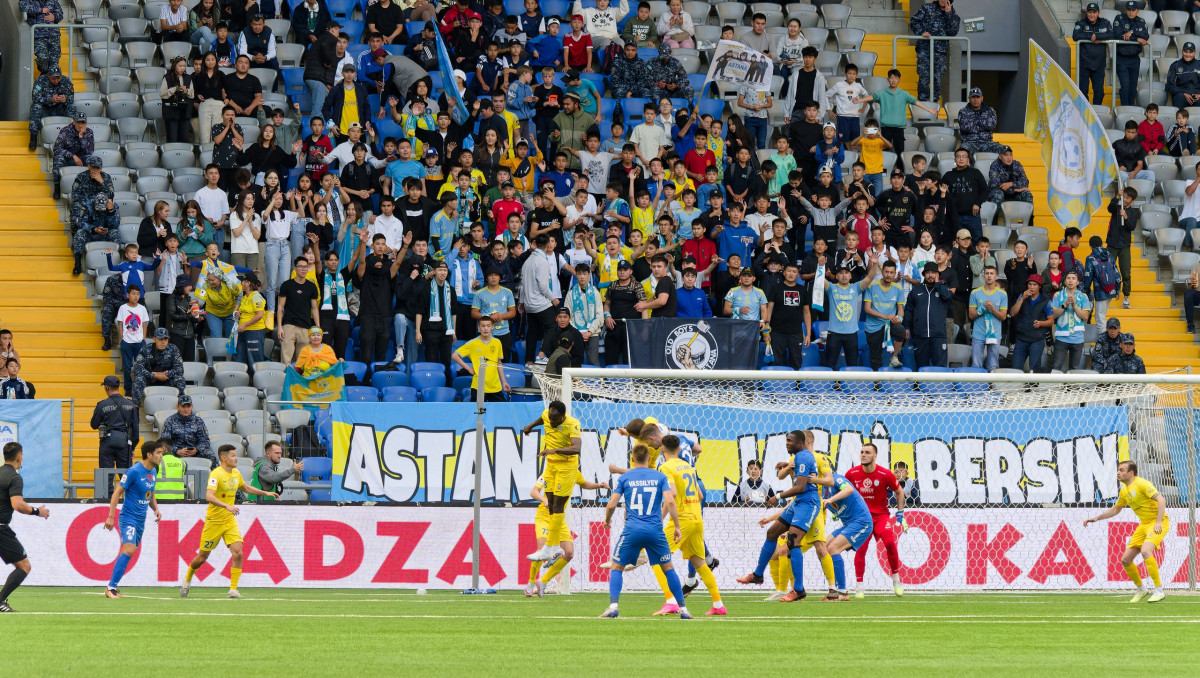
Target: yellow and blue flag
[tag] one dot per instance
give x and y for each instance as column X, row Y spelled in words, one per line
column 1079, row 158
column 324, row 387
column 458, row 109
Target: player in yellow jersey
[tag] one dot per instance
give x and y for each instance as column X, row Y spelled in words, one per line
column 781, row 563
column 561, row 538
column 1150, row 507
column 684, row 481
column 561, row 444
column 220, row 523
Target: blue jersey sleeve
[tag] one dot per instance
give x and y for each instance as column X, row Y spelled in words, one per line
column 806, row 463
column 127, row 479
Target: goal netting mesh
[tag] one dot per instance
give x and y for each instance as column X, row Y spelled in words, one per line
column 1005, row 472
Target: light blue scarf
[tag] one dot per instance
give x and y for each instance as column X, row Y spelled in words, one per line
column 447, row 313
column 343, row 313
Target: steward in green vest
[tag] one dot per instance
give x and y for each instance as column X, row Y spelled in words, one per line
column 171, row 485
column 269, row 472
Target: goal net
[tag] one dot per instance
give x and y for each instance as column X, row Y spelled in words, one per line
column 1005, row 469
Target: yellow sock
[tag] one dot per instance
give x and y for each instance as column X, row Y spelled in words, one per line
column 662, row 582
column 1131, row 570
column 785, row 571
column 553, row 570
column 235, row 573
column 1152, row 569
column 775, row 579
column 191, row 572
column 710, row 583
column 534, row 567
column 827, row 568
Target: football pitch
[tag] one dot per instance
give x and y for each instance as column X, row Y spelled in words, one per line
column 359, row 632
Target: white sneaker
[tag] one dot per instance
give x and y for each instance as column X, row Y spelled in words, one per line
column 898, row 588
column 399, row 355
column 554, row 586
column 1139, row 594
column 555, row 554
column 540, row 554
column 895, row 362
column 184, row 588
column 1157, row 596
column 858, row 591
column 530, row 589
column 233, row 593
column 775, row 595
column 1125, row 303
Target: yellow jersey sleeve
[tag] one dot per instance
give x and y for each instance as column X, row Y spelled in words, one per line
column 1140, row 496
column 559, row 437
column 823, row 465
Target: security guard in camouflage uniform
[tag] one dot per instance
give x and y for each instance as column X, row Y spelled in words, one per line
column 114, row 295
column 937, row 18
column 47, row 45
column 74, row 144
column 53, row 94
column 101, row 222
column 116, row 418
column 186, row 433
column 1092, row 31
column 158, row 357
column 87, row 186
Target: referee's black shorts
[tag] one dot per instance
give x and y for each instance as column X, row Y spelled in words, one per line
column 11, row 550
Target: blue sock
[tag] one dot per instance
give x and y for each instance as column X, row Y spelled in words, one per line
column 673, row 584
column 764, row 556
column 797, row 569
column 839, row 571
column 119, row 570
column 616, row 578
column 691, row 570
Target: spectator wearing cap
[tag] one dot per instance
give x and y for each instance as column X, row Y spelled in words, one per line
column 116, row 420
column 968, row 191
column 319, row 66
column 925, row 313
column 53, row 94
column 897, row 207
column 668, row 77
column 1093, row 31
column 1030, row 324
column 1183, row 78
column 158, row 364
column 1107, row 347
column 1007, row 179
column 1128, row 362
column 347, row 105
column 935, row 19
column 309, row 19
column 1131, row 157
column 187, row 433
column 377, row 75
column 620, row 302
column 250, row 319
column 562, row 346
column 75, row 142
column 100, row 222
column 1130, row 28
column 258, row 42
column 577, row 46
column 570, row 128
column 976, row 123
column 95, row 182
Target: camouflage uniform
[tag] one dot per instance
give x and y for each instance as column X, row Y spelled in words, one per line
column 97, row 216
column 70, row 145
column 932, row 20
column 1130, row 364
column 47, row 46
column 631, row 75
column 43, row 89
column 668, row 70
column 975, row 127
column 153, row 360
column 1105, row 354
column 84, row 192
column 114, row 295
column 188, row 431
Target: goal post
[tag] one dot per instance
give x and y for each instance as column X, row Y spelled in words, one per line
column 1006, row 466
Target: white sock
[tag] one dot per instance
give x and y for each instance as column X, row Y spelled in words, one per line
column 684, row 610
column 612, row 606
column 895, row 578
column 671, row 601
column 719, row 605
column 708, row 559
column 859, row 587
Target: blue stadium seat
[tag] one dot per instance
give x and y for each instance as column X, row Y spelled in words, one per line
column 381, row 380
column 937, row 388
column 427, row 367
column 362, row 394
column 341, row 9
column 319, row 495
column 600, row 81
column 811, row 357
column 355, row 50
column 515, row 377
column 558, row 8
column 399, row 394
column 519, row 350
column 632, row 108
column 816, row 387
column 607, row 106
column 317, row 469
column 713, row 107
column 971, row 387
column 461, row 382
column 353, row 29
column 514, row 7
column 294, row 87
column 856, row 368
column 617, row 366
column 424, row 379
column 359, row 370
column 411, row 28
column 696, row 80
column 438, row 394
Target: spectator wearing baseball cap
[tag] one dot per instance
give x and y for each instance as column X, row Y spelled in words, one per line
column 1107, row 347
column 1092, row 30
column 620, row 304
column 578, row 46
column 976, row 123
column 187, row 434
column 925, row 312
column 1183, row 78
column 1130, row 28
column 116, row 419
column 1007, row 180
column 1128, row 362
column 158, row 364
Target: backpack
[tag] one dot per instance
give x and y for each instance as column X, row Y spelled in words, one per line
column 607, row 57
column 1106, row 275
column 306, row 443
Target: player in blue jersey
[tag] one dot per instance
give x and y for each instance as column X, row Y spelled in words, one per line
column 797, row 519
column 646, row 492
column 137, row 488
column 848, row 506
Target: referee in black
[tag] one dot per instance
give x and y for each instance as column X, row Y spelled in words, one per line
column 11, row 490
column 116, row 418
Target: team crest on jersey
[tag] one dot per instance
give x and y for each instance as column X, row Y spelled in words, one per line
column 692, row 346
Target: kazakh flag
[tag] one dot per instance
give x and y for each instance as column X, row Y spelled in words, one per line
column 458, row 109
column 325, row 387
column 1079, row 158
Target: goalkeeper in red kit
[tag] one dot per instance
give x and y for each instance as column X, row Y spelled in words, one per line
column 873, row 483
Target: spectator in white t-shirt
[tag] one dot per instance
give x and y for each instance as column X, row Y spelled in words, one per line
column 132, row 318
column 214, row 204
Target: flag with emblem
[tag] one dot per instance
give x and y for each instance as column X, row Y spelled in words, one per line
column 1079, row 158
column 322, row 387
column 458, row 109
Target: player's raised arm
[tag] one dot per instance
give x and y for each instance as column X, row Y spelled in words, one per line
column 846, row 491
column 771, row 518
column 530, row 426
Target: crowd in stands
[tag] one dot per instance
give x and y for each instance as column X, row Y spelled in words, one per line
column 594, row 179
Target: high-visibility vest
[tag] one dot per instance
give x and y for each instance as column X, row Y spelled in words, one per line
column 256, row 483
column 170, row 484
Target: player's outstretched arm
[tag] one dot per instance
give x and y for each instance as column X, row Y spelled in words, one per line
column 613, row 502
column 617, row 470
column 588, row 485
column 1112, row 511
column 109, row 522
column 529, row 427
column 846, row 491
column 784, row 468
column 249, row 489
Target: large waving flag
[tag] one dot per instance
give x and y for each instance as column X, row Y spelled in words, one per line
column 1079, row 157
column 325, row 387
column 458, row 109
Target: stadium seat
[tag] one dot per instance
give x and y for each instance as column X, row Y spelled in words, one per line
column 427, row 367
column 399, row 394
column 381, row 380
column 316, row 469
column 359, row 370
column 424, row 379
column 438, row 394
column 362, row 394
column 319, row 495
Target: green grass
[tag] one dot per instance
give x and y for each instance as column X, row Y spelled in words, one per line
column 283, row 632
